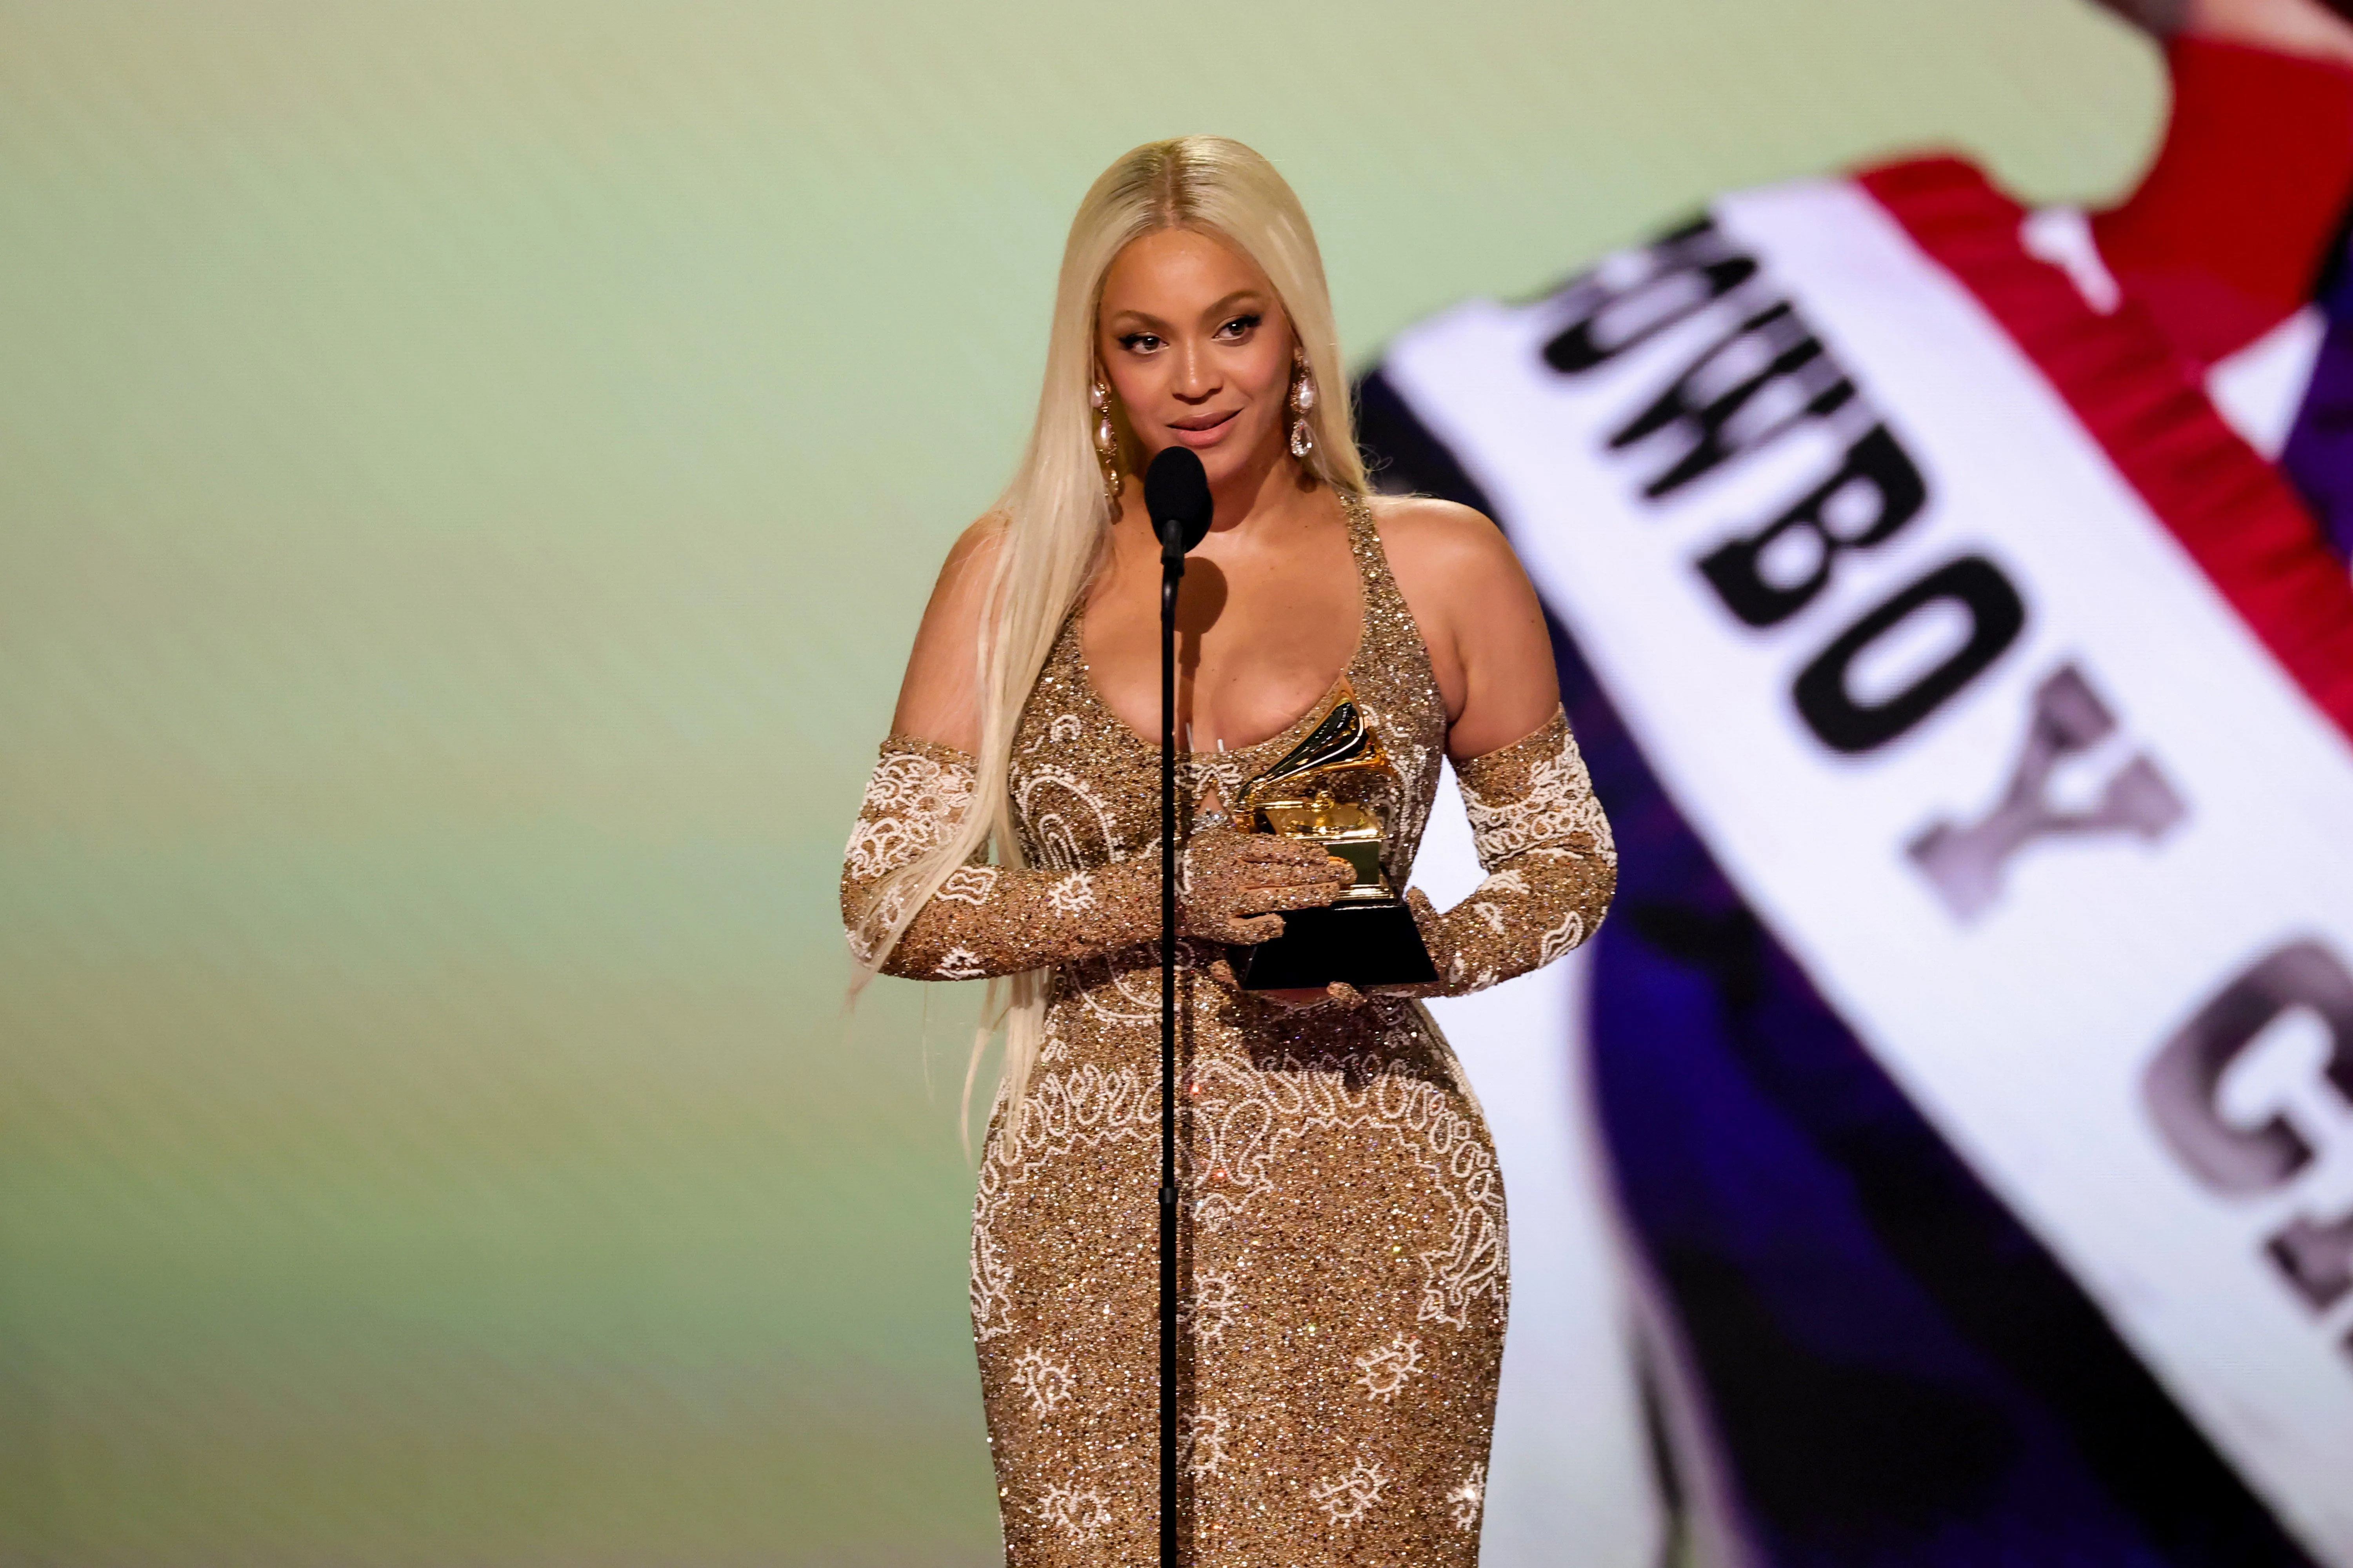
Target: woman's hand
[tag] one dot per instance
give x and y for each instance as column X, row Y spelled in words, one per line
column 1234, row 885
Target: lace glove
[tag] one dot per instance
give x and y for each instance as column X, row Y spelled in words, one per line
column 1550, row 864
column 1231, row 884
column 987, row 920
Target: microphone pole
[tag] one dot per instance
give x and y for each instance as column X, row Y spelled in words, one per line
column 1177, row 495
column 1172, row 573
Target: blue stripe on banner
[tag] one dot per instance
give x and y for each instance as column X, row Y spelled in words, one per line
column 1896, row 1372
column 2318, row 457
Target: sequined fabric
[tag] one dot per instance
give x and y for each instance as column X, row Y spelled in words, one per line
column 1342, row 1241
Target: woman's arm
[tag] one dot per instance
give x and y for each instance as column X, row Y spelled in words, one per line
column 1480, row 617
column 982, row 920
column 1542, row 838
column 939, row 697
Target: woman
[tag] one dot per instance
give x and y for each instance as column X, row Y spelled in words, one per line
column 1343, row 1237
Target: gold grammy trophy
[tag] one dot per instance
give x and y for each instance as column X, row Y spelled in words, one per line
column 1365, row 936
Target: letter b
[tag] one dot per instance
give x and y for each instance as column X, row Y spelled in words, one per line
column 1876, row 472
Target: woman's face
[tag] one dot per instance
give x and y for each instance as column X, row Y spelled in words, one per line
column 1198, row 350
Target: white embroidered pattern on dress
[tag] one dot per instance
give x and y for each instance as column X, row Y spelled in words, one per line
column 1078, row 1514
column 1197, row 771
column 1065, row 825
column 1213, row 1305
column 1468, row 1498
column 991, row 1285
column 866, row 937
column 1348, row 1497
column 1385, row 1372
column 1201, row 1438
column 1246, row 1120
column 1088, row 1106
column 1046, row 1381
column 1053, row 1048
column 1063, row 1111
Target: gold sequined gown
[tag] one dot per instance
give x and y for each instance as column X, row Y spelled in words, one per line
column 1342, row 1245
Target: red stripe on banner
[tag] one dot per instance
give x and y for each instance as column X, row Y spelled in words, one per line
column 2230, row 509
column 2221, row 241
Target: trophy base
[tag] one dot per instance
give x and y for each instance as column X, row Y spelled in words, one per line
column 1367, row 943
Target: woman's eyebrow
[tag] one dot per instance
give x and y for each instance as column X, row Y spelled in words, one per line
column 1146, row 319
column 1231, row 301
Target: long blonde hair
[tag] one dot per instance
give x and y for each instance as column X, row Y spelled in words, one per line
column 1053, row 520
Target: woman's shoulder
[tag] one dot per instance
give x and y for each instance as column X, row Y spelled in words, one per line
column 937, row 699
column 965, row 576
column 974, row 553
column 1443, row 546
column 1480, row 618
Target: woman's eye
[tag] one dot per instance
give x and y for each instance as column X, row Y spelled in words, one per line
column 1139, row 342
column 1239, row 327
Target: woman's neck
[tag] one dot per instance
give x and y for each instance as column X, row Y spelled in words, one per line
column 1269, row 486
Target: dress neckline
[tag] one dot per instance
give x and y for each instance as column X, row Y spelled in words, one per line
column 1358, row 519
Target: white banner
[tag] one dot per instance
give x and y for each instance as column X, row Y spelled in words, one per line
column 1964, row 722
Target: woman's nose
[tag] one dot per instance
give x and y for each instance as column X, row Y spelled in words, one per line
column 1195, row 374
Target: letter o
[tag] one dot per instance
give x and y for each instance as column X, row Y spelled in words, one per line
column 1996, row 613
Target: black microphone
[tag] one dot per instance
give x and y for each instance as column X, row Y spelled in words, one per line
column 1176, row 496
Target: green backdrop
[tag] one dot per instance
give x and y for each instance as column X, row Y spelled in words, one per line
column 468, row 473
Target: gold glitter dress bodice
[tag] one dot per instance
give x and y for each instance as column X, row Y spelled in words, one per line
column 1341, row 1243
column 1086, row 787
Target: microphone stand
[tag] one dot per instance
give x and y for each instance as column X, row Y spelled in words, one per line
column 1176, row 498
column 1172, row 573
